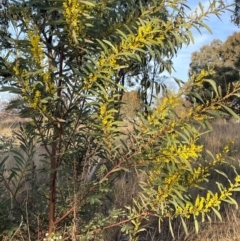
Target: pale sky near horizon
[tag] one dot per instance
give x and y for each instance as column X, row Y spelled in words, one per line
column 221, row 29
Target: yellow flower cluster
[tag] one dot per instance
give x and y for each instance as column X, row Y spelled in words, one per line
column 36, row 46
column 163, row 108
column 162, row 193
column 103, row 111
column 165, row 189
column 107, row 119
column 48, row 83
column 49, row 88
column 32, row 95
column 106, row 64
column 176, row 153
column 189, row 151
column 197, row 175
column 88, row 82
column 198, row 114
column 16, row 70
column 36, row 100
column 212, row 200
column 201, row 205
column 220, row 157
column 22, row 78
column 146, row 31
column 73, row 11
column 173, row 178
column 143, row 31
column 199, row 78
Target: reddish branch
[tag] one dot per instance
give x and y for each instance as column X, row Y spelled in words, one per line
column 143, row 214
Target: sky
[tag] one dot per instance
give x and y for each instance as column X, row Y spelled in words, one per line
column 221, row 29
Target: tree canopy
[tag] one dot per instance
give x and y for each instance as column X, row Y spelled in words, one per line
column 223, row 59
column 236, row 13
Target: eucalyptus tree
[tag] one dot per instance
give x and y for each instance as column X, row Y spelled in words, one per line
column 223, row 60
column 69, row 62
column 235, row 16
column 4, row 23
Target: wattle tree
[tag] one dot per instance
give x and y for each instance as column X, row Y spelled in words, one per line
column 70, row 61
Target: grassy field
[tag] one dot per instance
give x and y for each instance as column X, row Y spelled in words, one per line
column 127, row 187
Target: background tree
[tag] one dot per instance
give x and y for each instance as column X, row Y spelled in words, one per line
column 236, row 14
column 223, row 59
column 69, row 61
column 4, row 23
column 132, row 105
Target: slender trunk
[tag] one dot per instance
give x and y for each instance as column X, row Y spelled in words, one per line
column 52, row 196
column 56, row 147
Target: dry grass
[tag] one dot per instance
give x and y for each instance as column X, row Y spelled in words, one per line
column 223, row 132
column 9, row 123
column 126, row 187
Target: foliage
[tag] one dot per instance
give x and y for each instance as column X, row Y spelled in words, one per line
column 218, row 61
column 68, row 62
column 4, row 24
column 236, row 13
column 5, row 144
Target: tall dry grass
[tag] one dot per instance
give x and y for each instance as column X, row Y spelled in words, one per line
column 127, row 187
column 223, row 132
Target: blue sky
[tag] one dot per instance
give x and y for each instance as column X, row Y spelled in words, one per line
column 221, row 29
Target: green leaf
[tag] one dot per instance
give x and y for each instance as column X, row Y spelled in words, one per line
column 102, row 45
column 3, row 161
column 231, row 201
column 110, row 44
column 237, row 189
column 230, row 111
column 196, row 225
column 221, row 173
column 217, row 213
column 88, row 3
column 213, row 84
column 170, row 227
column 184, row 225
column 206, row 27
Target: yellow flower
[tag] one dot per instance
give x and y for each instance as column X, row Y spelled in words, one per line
column 36, row 46
column 198, row 79
column 49, row 84
column 16, row 70
column 103, row 109
column 74, row 11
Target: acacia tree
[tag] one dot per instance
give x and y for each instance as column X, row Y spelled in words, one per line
column 68, row 62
